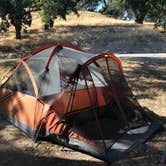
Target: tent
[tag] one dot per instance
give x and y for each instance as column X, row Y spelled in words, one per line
column 76, row 99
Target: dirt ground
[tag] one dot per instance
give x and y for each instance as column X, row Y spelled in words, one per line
column 146, row 77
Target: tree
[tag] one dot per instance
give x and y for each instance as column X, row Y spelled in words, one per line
column 154, row 10
column 157, row 13
column 92, row 5
column 16, row 13
column 115, row 9
column 50, row 9
column 140, row 9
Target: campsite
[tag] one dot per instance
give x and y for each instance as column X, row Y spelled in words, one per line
column 145, row 77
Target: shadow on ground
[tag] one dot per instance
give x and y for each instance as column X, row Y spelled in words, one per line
column 19, row 158
column 144, row 155
column 146, row 76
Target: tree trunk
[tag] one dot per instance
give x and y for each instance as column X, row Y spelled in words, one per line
column 139, row 18
column 18, row 31
column 46, row 27
column 51, row 23
column 140, row 9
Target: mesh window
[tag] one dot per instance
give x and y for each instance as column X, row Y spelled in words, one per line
column 93, row 121
column 100, row 122
column 20, row 81
column 49, row 82
column 111, row 71
column 68, row 67
column 38, row 61
column 97, row 75
column 125, row 95
column 79, row 94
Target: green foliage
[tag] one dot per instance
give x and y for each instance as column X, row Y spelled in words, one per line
column 157, row 13
column 4, row 26
column 115, row 9
column 17, row 13
column 154, row 10
column 140, row 9
column 50, row 9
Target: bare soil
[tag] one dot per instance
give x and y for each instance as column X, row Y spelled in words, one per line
column 146, row 77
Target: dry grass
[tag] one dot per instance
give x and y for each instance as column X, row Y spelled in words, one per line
column 90, row 31
column 6, row 69
column 147, row 79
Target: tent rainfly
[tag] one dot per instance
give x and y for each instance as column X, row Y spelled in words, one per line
column 76, row 99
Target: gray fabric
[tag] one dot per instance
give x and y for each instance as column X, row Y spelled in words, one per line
column 76, row 57
column 81, row 57
column 132, row 138
column 49, row 81
column 24, row 127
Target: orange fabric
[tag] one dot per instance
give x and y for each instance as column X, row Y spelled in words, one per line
column 54, row 126
column 48, row 46
column 82, row 100
column 87, row 141
column 27, row 109
column 112, row 56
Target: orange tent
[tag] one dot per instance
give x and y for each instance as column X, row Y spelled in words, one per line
column 77, row 99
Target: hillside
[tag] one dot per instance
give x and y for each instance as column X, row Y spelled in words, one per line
column 90, row 31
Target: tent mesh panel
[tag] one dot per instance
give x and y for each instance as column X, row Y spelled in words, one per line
column 89, row 121
column 20, row 82
column 48, row 82
column 119, row 85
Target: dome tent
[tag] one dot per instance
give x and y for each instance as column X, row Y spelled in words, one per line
column 76, row 99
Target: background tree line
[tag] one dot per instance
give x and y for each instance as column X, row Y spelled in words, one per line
column 18, row 12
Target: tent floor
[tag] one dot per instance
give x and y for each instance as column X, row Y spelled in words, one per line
column 131, row 139
column 104, row 123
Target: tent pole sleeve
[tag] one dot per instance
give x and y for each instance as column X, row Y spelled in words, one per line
column 49, row 60
column 31, row 78
column 15, row 68
column 51, row 55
